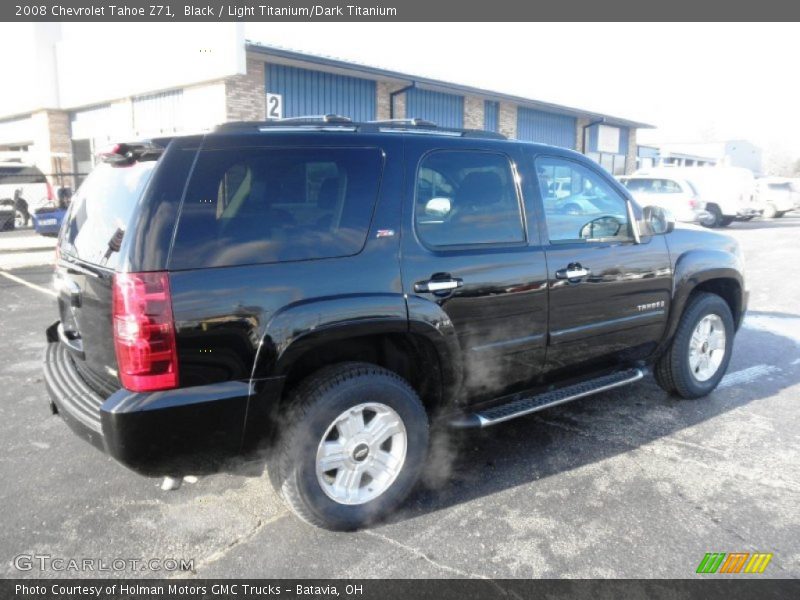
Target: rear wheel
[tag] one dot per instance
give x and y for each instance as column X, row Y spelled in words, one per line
column 354, row 445
column 701, row 349
column 716, row 216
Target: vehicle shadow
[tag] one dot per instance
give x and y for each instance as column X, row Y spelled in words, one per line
column 471, row 464
column 464, row 465
column 788, row 220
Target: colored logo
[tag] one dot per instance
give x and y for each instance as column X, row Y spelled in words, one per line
column 734, row 562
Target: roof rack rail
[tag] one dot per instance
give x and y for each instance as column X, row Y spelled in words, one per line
column 417, row 125
column 304, row 121
column 329, row 119
column 415, row 122
column 332, row 122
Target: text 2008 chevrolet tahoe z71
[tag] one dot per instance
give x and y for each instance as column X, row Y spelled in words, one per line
column 340, row 285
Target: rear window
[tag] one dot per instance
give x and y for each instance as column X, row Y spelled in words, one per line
column 12, row 174
column 783, row 187
column 262, row 205
column 653, row 186
column 101, row 212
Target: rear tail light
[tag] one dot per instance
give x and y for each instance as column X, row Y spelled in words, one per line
column 693, row 203
column 50, row 195
column 144, row 332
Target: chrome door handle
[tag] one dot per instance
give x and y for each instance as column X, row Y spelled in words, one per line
column 437, row 285
column 573, row 271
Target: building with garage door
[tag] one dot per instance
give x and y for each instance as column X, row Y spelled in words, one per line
column 78, row 110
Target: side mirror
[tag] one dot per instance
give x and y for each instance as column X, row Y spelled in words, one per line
column 600, row 228
column 658, row 220
column 438, row 207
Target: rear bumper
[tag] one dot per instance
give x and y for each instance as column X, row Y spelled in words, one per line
column 153, row 433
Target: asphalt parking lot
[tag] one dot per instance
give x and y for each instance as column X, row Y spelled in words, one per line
column 629, row 483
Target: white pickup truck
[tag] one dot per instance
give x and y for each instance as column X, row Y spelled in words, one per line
column 779, row 195
column 727, row 194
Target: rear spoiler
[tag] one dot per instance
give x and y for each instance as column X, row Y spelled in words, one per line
column 127, row 153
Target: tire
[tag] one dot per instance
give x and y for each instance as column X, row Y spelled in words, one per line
column 323, row 409
column 725, row 221
column 780, row 213
column 8, row 224
column 674, row 371
column 20, row 219
column 716, row 214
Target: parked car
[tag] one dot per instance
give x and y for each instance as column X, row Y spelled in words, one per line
column 23, row 189
column 342, row 288
column 47, row 219
column 727, row 193
column 672, row 193
column 779, row 195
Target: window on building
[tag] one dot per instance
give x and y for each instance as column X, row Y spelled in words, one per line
column 248, row 206
column 580, row 206
column 466, row 198
column 613, row 163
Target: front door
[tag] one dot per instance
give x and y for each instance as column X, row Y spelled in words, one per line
column 609, row 295
column 468, row 256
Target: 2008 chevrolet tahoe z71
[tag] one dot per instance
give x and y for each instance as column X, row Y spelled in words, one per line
column 340, row 286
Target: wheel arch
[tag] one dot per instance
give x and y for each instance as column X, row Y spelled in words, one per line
column 694, row 273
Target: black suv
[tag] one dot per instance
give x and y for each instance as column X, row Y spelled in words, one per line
column 342, row 287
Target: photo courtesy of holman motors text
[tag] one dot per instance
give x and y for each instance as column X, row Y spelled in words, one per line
column 356, row 301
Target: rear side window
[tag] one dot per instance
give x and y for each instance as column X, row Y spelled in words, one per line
column 653, row 186
column 262, row 205
column 465, row 198
column 101, row 211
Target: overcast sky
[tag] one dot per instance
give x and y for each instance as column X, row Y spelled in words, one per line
column 695, row 82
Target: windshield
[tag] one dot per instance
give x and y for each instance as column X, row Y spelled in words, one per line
column 101, row 211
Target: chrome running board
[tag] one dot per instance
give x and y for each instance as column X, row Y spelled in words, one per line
column 519, row 405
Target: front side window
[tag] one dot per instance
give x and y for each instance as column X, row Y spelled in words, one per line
column 466, row 198
column 580, row 206
column 263, row 205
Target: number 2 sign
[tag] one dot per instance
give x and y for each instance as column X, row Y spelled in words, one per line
column 274, row 106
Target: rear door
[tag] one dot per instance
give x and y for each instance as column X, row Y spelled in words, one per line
column 467, row 250
column 609, row 295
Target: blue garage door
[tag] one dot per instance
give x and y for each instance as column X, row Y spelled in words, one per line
column 446, row 110
column 546, row 128
column 307, row 92
column 491, row 115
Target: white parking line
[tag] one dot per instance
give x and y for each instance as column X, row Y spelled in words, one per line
column 747, row 375
column 33, row 286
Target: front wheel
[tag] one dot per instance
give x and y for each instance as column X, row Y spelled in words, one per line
column 354, row 444
column 701, row 349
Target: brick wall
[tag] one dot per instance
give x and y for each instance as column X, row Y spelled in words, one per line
column 384, row 90
column 508, row 120
column 580, row 123
column 473, row 112
column 50, row 134
column 630, row 159
column 245, row 95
